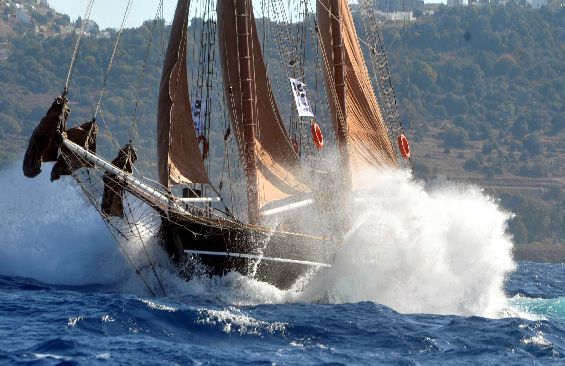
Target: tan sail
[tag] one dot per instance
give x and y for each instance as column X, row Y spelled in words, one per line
column 358, row 123
column 179, row 158
column 271, row 164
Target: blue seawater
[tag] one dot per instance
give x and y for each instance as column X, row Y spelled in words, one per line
column 43, row 324
column 425, row 276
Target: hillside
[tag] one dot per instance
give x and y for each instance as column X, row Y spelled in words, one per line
column 480, row 89
column 31, row 16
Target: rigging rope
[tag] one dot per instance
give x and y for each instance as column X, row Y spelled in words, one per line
column 90, row 195
column 158, row 16
column 382, row 74
column 110, row 63
column 98, row 110
column 140, row 236
column 77, row 46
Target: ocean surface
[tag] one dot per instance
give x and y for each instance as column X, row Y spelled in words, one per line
column 43, row 324
column 425, row 276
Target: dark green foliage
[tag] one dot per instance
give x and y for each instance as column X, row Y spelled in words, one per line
column 495, row 65
column 489, row 77
column 533, row 145
column 455, row 137
column 472, row 165
column 535, row 220
column 533, row 171
column 493, row 76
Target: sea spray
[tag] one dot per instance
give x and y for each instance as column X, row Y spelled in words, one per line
column 51, row 233
column 444, row 250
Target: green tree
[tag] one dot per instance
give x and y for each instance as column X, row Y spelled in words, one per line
column 455, row 137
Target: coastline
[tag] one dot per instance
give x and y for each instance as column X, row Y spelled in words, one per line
column 548, row 253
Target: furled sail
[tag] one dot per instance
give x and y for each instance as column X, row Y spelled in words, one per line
column 271, row 163
column 179, row 158
column 42, row 146
column 358, row 122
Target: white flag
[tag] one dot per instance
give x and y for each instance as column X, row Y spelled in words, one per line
column 300, row 98
column 198, row 115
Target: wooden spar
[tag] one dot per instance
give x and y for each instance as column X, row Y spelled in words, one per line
column 247, row 87
column 200, row 199
column 137, row 187
column 258, row 257
column 339, row 81
column 158, row 199
column 285, row 208
column 338, row 58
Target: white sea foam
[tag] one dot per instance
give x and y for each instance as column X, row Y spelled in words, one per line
column 233, row 320
column 537, row 340
column 440, row 250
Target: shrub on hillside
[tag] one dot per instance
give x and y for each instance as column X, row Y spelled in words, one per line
column 472, row 165
column 455, row 137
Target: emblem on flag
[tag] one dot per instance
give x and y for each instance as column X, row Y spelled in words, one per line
column 198, row 115
column 300, row 98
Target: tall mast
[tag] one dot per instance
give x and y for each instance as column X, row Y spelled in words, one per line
column 272, row 167
column 178, row 157
column 362, row 137
column 246, row 84
column 339, row 71
column 339, row 80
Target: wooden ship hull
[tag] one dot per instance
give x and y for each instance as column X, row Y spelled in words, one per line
column 278, row 258
column 219, row 244
column 200, row 229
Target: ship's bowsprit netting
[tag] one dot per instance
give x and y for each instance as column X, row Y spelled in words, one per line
column 139, row 221
column 139, row 224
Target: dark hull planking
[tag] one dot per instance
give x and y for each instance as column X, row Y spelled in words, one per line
column 179, row 235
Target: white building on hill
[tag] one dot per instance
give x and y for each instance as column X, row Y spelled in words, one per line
column 536, row 4
column 4, row 51
column 452, row 3
column 396, row 15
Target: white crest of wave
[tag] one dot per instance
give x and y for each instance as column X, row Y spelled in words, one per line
column 444, row 250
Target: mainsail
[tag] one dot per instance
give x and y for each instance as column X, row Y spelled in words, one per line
column 358, row 122
column 271, row 164
column 179, row 158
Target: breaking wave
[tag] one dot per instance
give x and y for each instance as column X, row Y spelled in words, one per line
column 50, row 233
column 441, row 250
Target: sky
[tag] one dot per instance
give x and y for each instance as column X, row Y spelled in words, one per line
column 109, row 13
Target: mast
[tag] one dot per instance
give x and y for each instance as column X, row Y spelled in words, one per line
column 362, row 137
column 246, row 84
column 339, row 79
column 272, row 166
column 179, row 157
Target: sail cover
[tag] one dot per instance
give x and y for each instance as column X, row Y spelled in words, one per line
column 366, row 137
column 179, row 158
column 277, row 164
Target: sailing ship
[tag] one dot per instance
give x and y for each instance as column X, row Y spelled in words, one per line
column 292, row 224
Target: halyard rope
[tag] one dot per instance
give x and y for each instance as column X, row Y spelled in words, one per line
column 77, row 44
